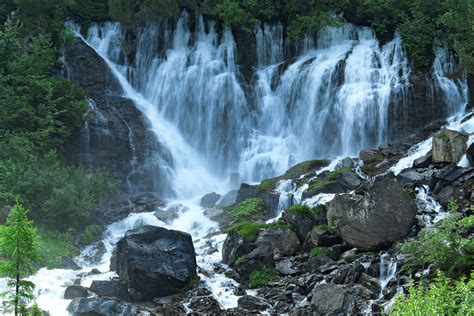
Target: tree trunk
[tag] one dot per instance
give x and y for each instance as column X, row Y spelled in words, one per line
column 17, row 292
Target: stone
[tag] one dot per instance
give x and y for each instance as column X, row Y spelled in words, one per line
column 332, row 299
column 234, row 247
column 423, row 162
column 410, row 178
column 250, row 191
column 206, row 305
column 376, row 219
column 285, row 267
column 69, row 264
column 156, row 262
column 75, row 291
column 210, row 199
column 470, row 154
column 449, row 146
column 253, row 304
column 228, row 199
column 321, row 237
column 372, row 284
column 279, row 242
column 96, row 306
column 370, row 155
column 347, row 163
column 302, row 223
column 348, row 273
column 114, row 289
column 166, row 216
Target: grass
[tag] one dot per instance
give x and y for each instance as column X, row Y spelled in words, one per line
column 249, row 209
column 294, row 172
column 249, row 231
column 52, row 246
column 239, row 260
column 330, row 178
column 442, row 136
column 91, row 233
column 262, row 277
column 319, row 251
column 302, row 210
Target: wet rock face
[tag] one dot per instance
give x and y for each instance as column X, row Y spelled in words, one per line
column 100, row 306
column 156, row 262
column 333, row 299
column 449, row 146
column 383, row 215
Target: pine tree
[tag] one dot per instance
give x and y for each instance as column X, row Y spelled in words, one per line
column 18, row 248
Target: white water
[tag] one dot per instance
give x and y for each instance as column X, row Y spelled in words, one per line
column 332, row 100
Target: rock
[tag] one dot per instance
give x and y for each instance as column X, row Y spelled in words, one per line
column 156, row 262
column 348, row 273
column 234, row 247
column 347, row 162
column 302, row 223
column 278, row 241
column 250, row 191
column 69, row 264
column 285, row 267
column 75, row 291
column 333, row 299
column 370, row 155
column 372, row 284
column 321, row 237
column 95, row 306
column 206, row 305
column 209, row 200
column 234, row 180
column 229, row 198
column 449, row 146
column 114, row 289
column 253, row 304
column 94, row 271
column 423, row 162
column 470, row 154
column 410, row 178
column 383, row 215
column 166, row 216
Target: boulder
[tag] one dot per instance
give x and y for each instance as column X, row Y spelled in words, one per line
column 331, row 299
column 253, row 304
column 321, row 237
column 115, row 289
column 423, row 162
column 205, row 304
column 75, row 291
column 155, row 262
column 69, row 264
column 251, row 191
column 234, row 247
column 302, row 223
column 277, row 242
column 285, row 267
column 410, row 178
column 228, row 199
column 210, row 199
column 372, row 284
column 381, row 216
column 470, row 154
column 95, row 306
column 449, row 146
column 370, row 155
column 348, row 273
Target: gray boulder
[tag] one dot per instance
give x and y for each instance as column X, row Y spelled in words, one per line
column 156, row 262
column 253, row 304
column 234, row 247
column 210, row 199
column 75, row 291
column 449, row 146
column 95, row 306
column 383, row 215
column 333, row 299
column 116, row 289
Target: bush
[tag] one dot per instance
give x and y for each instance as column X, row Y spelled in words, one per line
column 319, row 251
column 302, row 210
column 262, row 277
column 248, row 230
column 444, row 246
column 251, row 208
column 92, row 233
column 443, row 296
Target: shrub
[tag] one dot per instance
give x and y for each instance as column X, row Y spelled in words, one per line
column 91, row 234
column 319, row 251
column 248, row 230
column 249, row 209
column 453, row 205
column 302, row 210
column 444, row 246
column 262, row 277
column 443, row 296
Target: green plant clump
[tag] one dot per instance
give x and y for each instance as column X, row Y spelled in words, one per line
column 260, row 278
column 443, row 296
column 442, row 136
column 249, row 209
column 248, row 230
column 302, row 210
column 319, row 251
column 91, row 233
column 53, row 246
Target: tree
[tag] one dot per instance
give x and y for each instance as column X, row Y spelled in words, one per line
column 18, row 248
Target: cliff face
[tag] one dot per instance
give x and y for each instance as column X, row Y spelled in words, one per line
column 115, row 135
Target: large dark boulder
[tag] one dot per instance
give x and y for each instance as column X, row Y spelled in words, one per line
column 333, row 299
column 234, row 247
column 75, row 291
column 96, row 306
column 115, row 289
column 271, row 198
column 156, row 262
column 381, row 216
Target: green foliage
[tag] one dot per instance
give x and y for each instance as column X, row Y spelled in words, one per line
column 302, row 210
column 443, row 296
column 251, row 208
column 453, row 206
column 248, row 230
column 53, row 246
column 239, row 260
column 18, row 249
column 442, row 136
column 91, row 233
column 311, row 23
column 319, row 251
column 443, row 246
column 260, row 278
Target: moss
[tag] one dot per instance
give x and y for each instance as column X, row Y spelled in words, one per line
column 294, row 172
column 282, row 224
column 325, row 227
column 262, row 277
column 442, row 136
column 411, row 193
column 239, row 260
column 302, row 210
column 329, row 178
column 319, row 251
column 251, row 208
column 248, row 230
